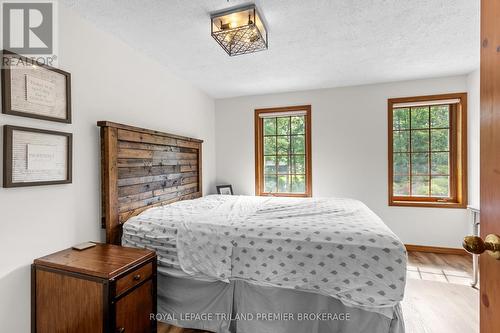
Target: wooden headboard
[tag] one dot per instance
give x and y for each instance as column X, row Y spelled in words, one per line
column 142, row 168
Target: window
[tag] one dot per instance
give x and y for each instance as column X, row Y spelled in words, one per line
column 428, row 151
column 283, row 151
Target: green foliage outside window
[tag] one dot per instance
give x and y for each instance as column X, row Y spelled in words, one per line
column 421, row 151
column 284, row 155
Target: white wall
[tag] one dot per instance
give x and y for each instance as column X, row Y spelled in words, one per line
column 473, row 82
column 349, row 151
column 110, row 81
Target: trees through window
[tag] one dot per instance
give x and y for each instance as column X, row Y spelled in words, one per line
column 427, row 150
column 283, row 151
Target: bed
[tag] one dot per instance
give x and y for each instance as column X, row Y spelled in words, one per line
column 247, row 264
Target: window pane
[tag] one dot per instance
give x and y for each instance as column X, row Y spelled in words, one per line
column 283, row 185
column 298, row 144
column 401, row 186
column 401, row 119
column 440, row 116
column 298, row 184
column 420, row 141
column 440, row 186
column 440, row 163
column 283, row 145
column 284, row 126
column 270, row 145
column 420, row 185
column 283, row 165
column 284, row 159
column 298, row 125
column 298, row 165
column 401, row 164
column 270, row 165
column 420, row 117
column 269, row 126
column 270, row 184
column 420, row 164
column 440, row 140
column 401, row 141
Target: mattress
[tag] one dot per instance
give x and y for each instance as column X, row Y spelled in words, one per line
column 331, row 246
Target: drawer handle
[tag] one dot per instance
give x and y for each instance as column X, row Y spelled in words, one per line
column 120, row 330
column 137, row 277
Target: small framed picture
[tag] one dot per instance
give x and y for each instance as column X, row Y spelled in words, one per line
column 34, row 90
column 36, row 157
column 225, row 189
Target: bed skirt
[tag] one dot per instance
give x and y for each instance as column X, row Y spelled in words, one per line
column 242, row 307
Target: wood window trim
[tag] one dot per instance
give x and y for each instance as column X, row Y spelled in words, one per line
column 458, row 151
column 259, row 149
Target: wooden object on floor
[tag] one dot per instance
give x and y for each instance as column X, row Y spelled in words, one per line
column 142, row 168
column 435, row 249
column 490, row 161
column 106, row 288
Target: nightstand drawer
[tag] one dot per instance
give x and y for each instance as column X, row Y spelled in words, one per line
column 134, row 278
column 133, row 311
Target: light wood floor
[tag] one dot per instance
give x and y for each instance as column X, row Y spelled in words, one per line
column 438, row 296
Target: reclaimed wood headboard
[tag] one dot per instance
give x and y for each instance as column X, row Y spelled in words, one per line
column 142, row 168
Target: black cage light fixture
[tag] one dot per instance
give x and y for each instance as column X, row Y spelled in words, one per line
column 240, row 30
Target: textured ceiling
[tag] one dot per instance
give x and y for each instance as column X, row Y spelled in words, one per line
column 312, row 43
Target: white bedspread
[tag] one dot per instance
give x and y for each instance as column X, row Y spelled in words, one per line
column 335, row 247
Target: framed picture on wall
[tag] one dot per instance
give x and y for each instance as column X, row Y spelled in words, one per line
column 34, row 90
column 36, row 157
column 225, row 189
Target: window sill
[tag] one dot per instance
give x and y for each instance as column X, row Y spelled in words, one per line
column 427, row 204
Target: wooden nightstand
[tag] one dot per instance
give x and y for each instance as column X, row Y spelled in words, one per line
column 106, row 289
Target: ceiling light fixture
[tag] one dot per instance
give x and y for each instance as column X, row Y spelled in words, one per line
column 240, row 30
